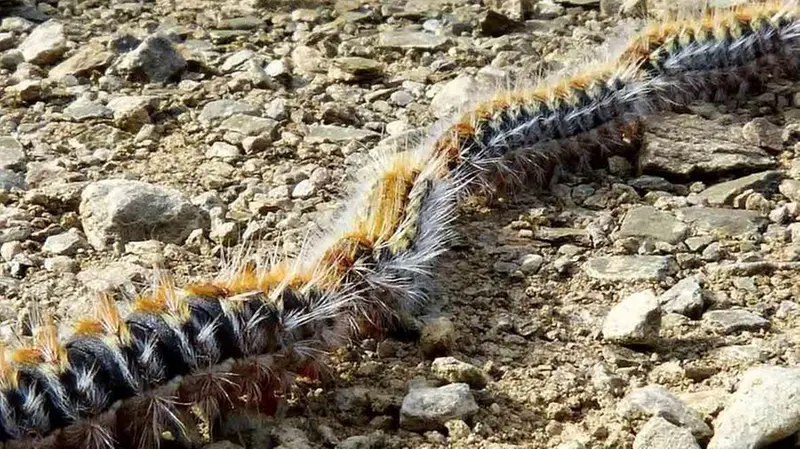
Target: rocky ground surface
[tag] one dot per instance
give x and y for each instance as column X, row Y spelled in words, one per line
column 648, row 304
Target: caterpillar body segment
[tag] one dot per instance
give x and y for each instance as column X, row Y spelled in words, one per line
column 241, row 340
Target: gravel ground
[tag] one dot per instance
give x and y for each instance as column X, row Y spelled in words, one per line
column 647, row 304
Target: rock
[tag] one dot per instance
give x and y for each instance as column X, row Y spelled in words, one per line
column 237, row 59
column 27, row 91
column 455, row 371
column 226, row 233
column 223, row 151
column 112, row 277
column 10, row 180
column 7, row 41
column 629, row 268
column 276, row 109
column 762, row 133
column 411, row 39
column 438, row 337
column 454, row 95
column 65, row 244
column 333, row 134
column 12, row 156
column 308, row 60
column 494, row 24
column 61, row 264
column 731, row 222
column 732, row 321
column 304, row 189
column 749, row 354
column 646, row 222
column 90, row 58
column 155, row 60
column 425, row 409
column 354, row 69
column 655, row 400
column 249, row 125
column 685, row 298
column 241, row 23
column 724, row 192
column 45, row 45
column 635, row 320
column 790, row 188
column 531, row 263
column 131, row 113
column 763, row 410
column 707, row 402
column 123, row 211
column 360, row 442
column 687, row 146
column 83, row 109
column 222, row 109
column 278, row 69
column 659, row 433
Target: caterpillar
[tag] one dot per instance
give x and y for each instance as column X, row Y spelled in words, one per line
column 240, row 341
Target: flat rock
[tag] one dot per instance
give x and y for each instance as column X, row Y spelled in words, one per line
column 132, row 112
column 333, row 133
column 456, row 371
column 112, row 277
column 658, row 433
column 411, row 39
column 355, row 68
column 249, row 125
column 83, row 109
column 222, row 109
column 45, row 45
column 725, row 192
column 12, row 154
column 89, row 58
column 685, row 298
column 647, row 222
column 764, row 409
column 732, row 321
column 155, row 60
column 65, row 244
column 635, row 320
column 11, row 180
column 425, row 409
column 686, row 146
column 655, row 400
column 731, row 222
column 124, row 211
column 629, row 268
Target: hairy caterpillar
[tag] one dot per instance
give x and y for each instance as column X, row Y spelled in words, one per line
column 667, row 65
column 239, row 341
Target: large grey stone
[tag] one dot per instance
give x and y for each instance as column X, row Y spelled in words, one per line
column 45, row 45
column 155, row 60
column 411, row 39
column 731, row 222
column 725, row 192
column 659, row 433
column 635, row 320
column 124, row 211
column 687, row 146
column 655, row 400
column 765, row 409
column 629, row 268
column 647, row 222
column 425, row 409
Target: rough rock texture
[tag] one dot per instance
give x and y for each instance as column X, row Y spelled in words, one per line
column 120, row 211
